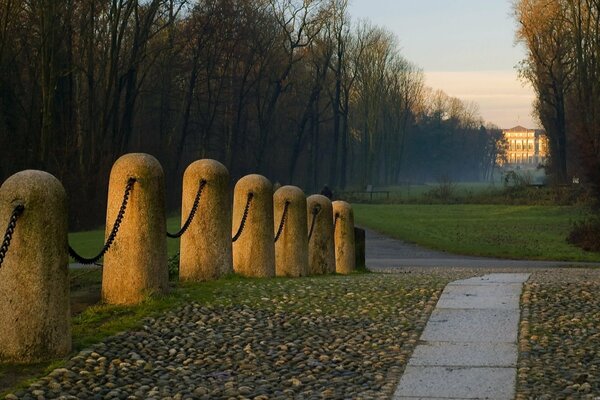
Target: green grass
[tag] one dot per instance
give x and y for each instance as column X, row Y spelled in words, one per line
column 521, row 232
column 89, row 243
column 419, row 193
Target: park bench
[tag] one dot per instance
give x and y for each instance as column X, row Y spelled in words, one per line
column 370, row 192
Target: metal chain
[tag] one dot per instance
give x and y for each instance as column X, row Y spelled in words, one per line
column 113, row 232
column 244, row 217
column 315, row 211
column 283, row 219
column 337, row 216
column 10, row 230
column 189, row 219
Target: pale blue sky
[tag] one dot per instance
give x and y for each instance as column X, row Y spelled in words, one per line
column 465, row 47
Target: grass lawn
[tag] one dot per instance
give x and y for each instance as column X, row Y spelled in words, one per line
column 89, row 243
column 527, row 232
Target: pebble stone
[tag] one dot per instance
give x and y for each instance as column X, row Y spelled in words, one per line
column 335, row 338
column 559, row 341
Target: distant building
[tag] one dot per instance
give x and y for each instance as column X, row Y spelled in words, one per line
column 527, row 148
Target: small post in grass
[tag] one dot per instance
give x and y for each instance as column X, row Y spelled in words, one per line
column 252, row 228
column 135, row 266
column 343, row 218
column 205, row 248
column 321, row 252
column 291, row 234
column 35, row 315
column 359, row 249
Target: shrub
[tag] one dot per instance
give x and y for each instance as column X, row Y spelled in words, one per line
column 586, row 234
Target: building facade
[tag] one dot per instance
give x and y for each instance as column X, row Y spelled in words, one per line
column 526, row 148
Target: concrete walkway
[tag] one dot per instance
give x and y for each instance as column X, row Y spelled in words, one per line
column 468, row 349
column 384, row 253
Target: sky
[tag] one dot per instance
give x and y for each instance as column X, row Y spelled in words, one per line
column 465, row 47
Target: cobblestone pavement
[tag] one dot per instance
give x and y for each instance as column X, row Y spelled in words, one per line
column 329, row 337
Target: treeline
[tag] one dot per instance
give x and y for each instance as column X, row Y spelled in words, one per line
column 563, row 64
column 292, row 89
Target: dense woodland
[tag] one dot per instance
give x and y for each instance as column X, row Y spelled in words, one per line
column 563, row 64
column 292, row 89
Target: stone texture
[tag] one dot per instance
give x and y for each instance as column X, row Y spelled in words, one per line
column 321, row 251
column 205, row 248
column 336, row 337
column 457, row 382
column 475, row 325
column 442, row 354
column 254, row 251
column 344, row 237
column 291, row 249
column 34, row 278
column 136, row 264
column 469, row 346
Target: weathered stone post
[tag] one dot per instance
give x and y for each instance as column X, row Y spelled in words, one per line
column 136, row 264
column 291, row 234
column 253, row 246
column 321, row 251
column 35, row 315
column 343, row 218
column 206, row 245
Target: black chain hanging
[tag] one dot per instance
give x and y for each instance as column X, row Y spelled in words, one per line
column 244, row 217
column 283, row 219
column 10, row 230
column 189, row 219
column 315, row 211
column 113, row 232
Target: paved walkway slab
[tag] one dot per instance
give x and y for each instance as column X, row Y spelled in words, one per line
column 468, row 349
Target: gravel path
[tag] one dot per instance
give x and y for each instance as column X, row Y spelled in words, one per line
column 559, row 341
column 329, row 337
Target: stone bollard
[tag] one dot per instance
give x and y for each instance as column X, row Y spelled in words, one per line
column 359, row 249
column 135, row 266
column 206, row 245
column 321, row 251
column 344, row 237
column 291, row 247
column 253, row 247
column 35, row 315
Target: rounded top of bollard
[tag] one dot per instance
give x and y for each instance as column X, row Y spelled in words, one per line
column 136, row 165
column 289, row 193
column 340, row 204
column 318, row 199
column 341, row 207
column 254, row 183
column 207, row 168
column 30, row 185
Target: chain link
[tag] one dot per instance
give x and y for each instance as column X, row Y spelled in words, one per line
column 113, row 232
column 244, row 217
column 10, row 230
column 337, row 216
column 189, row 219
column 315, row 211
column 283, row 219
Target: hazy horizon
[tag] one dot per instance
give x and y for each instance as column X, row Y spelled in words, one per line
column 474, row 61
